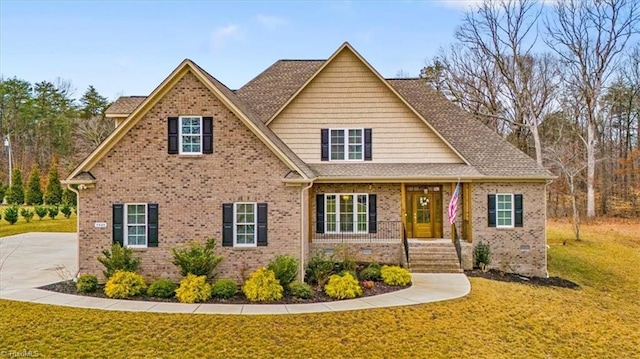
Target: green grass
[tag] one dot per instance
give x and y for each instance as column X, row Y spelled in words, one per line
column 497, row 320
column 60, row 224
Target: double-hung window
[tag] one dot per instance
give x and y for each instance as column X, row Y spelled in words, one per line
column 135, row 225
column 346, row 213
column 190, row 135
column 245, row 224
column 346, row 144
column 504, row 210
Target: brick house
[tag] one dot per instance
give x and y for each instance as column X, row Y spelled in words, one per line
column 308, row 156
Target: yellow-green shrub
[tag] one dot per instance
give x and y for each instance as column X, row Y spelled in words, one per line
column 394, row 275
column 193, row 289
column 262, row 286
column 124, row 284
column 343, row 287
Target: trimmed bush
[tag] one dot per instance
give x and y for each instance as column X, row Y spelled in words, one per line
column 300, row 290
column 224, row 288
column 27, row 214
column 66, row 210
column 262, row 286
column 319, row 269
column 124, row 285
column 343, row 287
column 53, row 193
column 285, row 268
column 394, row 275
column 482, row 256
column 162, row 288
column 16, row 190
column 372, row 272
column 197, row 259
column 53, row 211
column 87, row 283
column 41, row 211
column 11, row 214
column 33, row 195
column 118, row 259
column 193, row 289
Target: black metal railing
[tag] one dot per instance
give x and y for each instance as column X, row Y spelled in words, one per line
column 374, row 232
column 405, row 242
column 456, row 243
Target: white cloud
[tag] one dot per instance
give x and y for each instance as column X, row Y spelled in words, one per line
column 220, row 36
column 271, row 22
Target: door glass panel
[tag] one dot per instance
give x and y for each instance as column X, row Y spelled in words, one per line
column 423, row 210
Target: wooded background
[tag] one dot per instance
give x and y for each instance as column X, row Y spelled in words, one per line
column 561, row 82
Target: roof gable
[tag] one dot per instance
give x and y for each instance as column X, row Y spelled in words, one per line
column 225, row 95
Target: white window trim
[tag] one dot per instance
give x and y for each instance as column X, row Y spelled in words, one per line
column 355, row 213
column 126, row 225
column 346, row 144
column 180, row 135
column 235, row 225
column 513, row 218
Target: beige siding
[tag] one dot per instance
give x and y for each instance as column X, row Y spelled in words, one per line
column 346, row 94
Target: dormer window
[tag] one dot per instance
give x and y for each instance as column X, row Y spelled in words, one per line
column 346, row 144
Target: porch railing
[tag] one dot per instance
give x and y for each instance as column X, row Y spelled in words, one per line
column 385, row 232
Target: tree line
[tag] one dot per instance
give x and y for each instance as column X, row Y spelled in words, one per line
column 561, row 82
column 43, row 126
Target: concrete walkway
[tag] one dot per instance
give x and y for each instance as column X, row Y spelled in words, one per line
column 31, row 260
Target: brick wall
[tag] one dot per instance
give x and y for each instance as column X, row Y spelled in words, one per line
column 190, row 190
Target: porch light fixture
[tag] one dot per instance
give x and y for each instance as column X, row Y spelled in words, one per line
column 426, row 190
column 345, row 197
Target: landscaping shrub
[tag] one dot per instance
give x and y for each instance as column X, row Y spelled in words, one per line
column 124, row 284
column 300, row 290
column 3, row 191
column 343, row 287
column 368, row 284
column 372, row 273
column 193, row 289
column 394, row 275
column 27, row 214
column 319, row 269
column 162, row 288
column 197, row 259
column 53, row 211
column 224, row 288
column 285, row 268
column 347, row 260
column 16, row 190
column 262, row 286
column 41, row 211
column 118, row 258
column 53, row 192
column 87, row 283
column 33, row 195
column 11, row 214
column 482, row 256
column 66, row 210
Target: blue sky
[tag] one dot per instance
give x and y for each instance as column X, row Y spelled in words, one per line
column 129, row 47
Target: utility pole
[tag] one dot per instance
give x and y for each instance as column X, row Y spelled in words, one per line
column 7, row 144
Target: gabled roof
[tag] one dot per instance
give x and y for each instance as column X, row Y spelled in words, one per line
column 124, row 105
column 226, row 96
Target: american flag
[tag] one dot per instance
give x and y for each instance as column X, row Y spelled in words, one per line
column 453, row 204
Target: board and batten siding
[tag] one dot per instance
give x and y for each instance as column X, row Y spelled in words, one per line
column 346, row 94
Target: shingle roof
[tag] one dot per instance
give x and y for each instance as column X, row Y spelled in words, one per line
column 484, row 149
column 271, row 89
column 395, row 170
column 124, row 105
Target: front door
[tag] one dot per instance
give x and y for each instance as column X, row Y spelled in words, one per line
column 425, row 214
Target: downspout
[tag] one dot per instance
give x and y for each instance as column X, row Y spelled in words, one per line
column 70, row 188
column 302, row 232
column 546, row 246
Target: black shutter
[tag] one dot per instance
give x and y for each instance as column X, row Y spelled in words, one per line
column 491, row 210
column 324, row 138
column 518, row 220
column 262, row 224
column 152, row 224
column 173, row 135
column 320, row 213
column 118, row 223
column 373, row 213
column 367, row 144
column 207, row 135
column 227, row 225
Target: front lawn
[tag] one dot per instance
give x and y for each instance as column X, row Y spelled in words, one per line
column 497, row 320
column 59, row 224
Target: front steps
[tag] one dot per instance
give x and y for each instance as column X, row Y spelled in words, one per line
column 433, row 256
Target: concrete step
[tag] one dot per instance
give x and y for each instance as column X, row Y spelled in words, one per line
column 437, row 256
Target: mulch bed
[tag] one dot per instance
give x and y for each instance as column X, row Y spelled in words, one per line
column 69, row 287
column 516, row 278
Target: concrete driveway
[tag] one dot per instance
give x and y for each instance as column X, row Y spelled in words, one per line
column 34, row 259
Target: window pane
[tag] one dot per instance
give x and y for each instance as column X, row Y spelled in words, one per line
column 355, row 144
column 191, row 134
column 362, row 213
column 337, row 144
column 346, row 213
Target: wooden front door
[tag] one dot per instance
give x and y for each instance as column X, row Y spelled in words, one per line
column 425, row 211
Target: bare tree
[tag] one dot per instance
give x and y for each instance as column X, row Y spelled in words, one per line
column 589, row 36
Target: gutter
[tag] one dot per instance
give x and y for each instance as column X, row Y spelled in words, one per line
column 302, row 232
